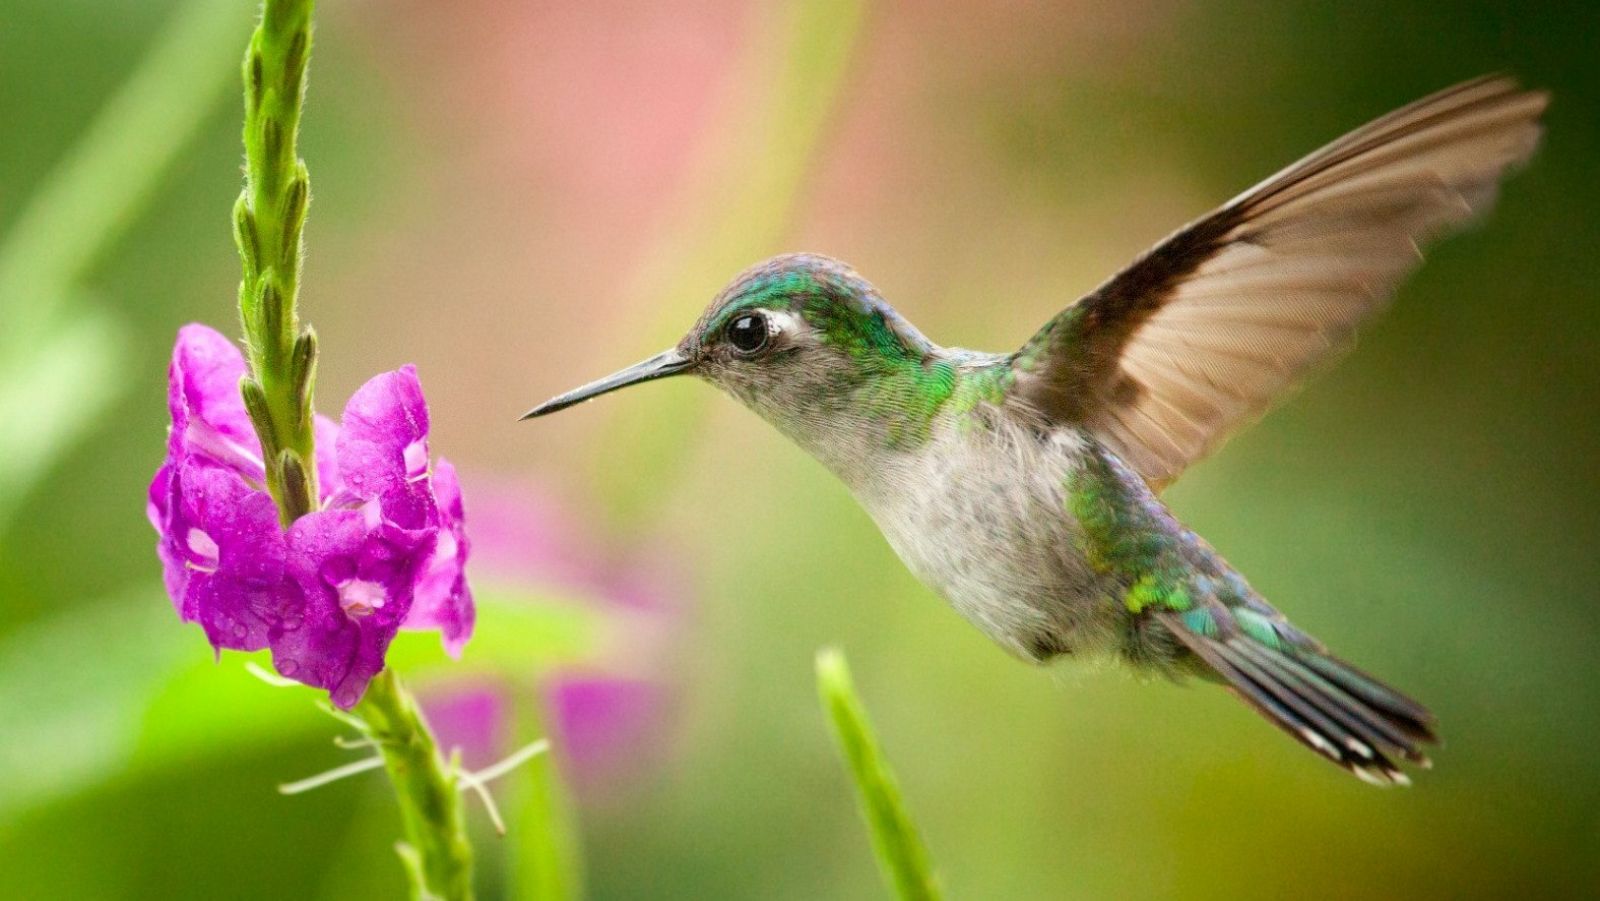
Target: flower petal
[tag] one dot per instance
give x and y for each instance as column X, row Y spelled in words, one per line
column 208, row 414
column 443, row 600
column 356, row 574
column 326, row 434
column 159, row 509
column 226, row 535
column 383, row 446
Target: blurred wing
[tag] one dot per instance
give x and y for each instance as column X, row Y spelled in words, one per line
column 1199, row 334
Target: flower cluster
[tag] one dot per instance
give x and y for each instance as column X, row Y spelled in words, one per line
column 385, row 549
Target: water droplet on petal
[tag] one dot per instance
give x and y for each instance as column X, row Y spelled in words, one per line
column 287, row 667
column 346, row 697
column 238, row 630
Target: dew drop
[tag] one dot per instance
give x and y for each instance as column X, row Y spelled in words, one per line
column 287, row 667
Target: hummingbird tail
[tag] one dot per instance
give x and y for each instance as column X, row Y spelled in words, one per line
column 1324, row 703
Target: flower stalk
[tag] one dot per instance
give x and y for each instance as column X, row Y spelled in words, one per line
column 437, row 854
column 268, row 220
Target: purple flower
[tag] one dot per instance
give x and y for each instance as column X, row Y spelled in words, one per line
column 386, row 549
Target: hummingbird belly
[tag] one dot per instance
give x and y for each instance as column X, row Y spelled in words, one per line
column 980, row 515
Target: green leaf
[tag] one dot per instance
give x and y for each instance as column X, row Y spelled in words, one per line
column 901, row 854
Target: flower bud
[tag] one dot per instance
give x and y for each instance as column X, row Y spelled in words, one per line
column 252, row 81
column 246, row 236
column 303, row 373
column 294, row 62
column 271, row 143
column 255, row 403
column 294, row 212
column 296, row 484
column 271, row 306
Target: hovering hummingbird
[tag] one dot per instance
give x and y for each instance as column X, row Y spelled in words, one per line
column 1024, row 487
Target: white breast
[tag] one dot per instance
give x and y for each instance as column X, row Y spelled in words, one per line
column 980, row 516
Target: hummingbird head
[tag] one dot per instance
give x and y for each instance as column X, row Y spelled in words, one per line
column 797, row 339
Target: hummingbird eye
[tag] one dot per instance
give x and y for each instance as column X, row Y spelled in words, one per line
column 749, row 333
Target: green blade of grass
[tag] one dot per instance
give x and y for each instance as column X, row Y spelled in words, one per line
column 101, row 185
column 546, row 853
column 901, row 853
column 58, row 392
column 53, row 337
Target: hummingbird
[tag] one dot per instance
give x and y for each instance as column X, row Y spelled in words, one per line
column 1024, row 487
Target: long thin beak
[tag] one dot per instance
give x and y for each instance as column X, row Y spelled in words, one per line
column 659, row 366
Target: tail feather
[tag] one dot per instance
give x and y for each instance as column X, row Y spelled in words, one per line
column 1413, row 717
column 1325, row 704
column 1374, row 730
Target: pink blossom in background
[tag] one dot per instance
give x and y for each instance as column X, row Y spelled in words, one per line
column 605, row 723
column 472, row 717
column 609, row 715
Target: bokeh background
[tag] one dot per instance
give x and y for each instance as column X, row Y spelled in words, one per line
column 521, row 196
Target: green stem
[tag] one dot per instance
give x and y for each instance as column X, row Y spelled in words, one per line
column 901, row 854
column 267, row 223
column 436, row 851
column 268, row 220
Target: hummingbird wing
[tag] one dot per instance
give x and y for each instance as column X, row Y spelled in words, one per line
column 1200, row 334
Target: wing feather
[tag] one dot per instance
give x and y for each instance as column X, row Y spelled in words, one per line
column 1200, row 334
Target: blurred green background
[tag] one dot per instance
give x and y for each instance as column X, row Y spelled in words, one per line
column 518, row 197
